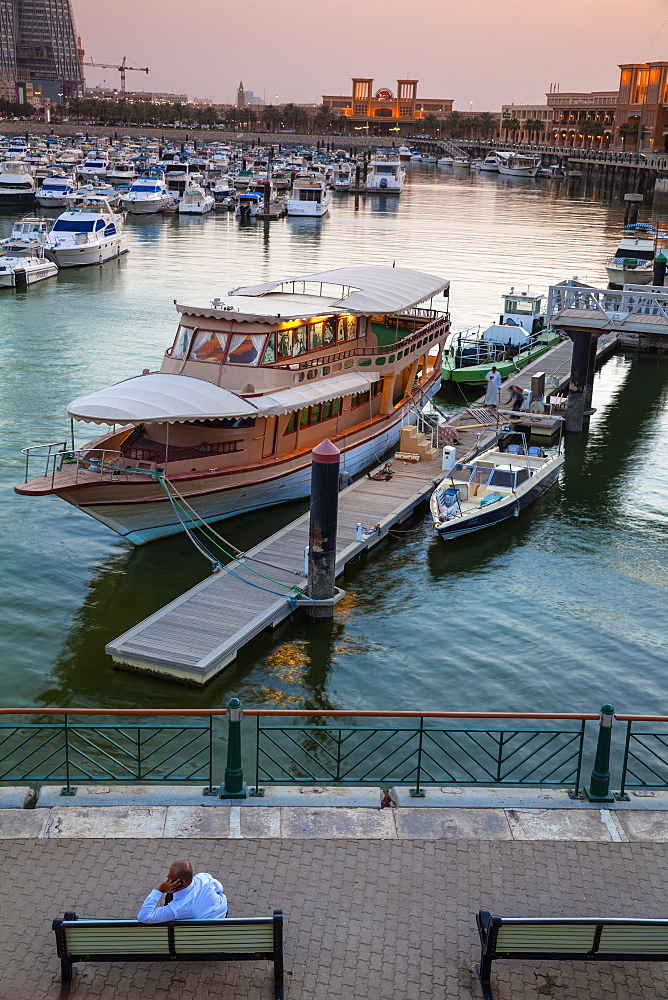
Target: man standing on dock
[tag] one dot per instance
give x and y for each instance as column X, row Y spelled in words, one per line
column 493, row 387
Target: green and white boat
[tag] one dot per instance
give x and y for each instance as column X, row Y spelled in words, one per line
column 514, row 342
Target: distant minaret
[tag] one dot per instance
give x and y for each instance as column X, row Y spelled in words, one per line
column 241, row 95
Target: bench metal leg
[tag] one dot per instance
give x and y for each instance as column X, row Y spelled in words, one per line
column 484, row 971
column 66, row 974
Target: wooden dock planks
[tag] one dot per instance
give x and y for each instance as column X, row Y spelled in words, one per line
column 200, row 632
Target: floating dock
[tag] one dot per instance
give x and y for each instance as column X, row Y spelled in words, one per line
column 197, row 635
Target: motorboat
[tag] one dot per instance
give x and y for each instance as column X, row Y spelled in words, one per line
column 17, row 184
column 445, row 161
column 55, row 191
column 148, row 194
column 491, row 488
column 404, row 154
column 22, row 270
column 490, row 165
column 122, row 172
column 87, row 233
column 633, row 263
column 250, row 384
column 519, row 165
column 99, row 189
column 26, row 235
column 461, row 161
column 195, row 201
column 248, row 204
column 385, row 174
column 344, row 177
column 511, row 344
column 94, row 168
column 223, row 189
column 310, row 196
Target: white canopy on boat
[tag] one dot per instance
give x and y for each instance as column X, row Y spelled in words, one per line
column 366, row 289
column 172, row 399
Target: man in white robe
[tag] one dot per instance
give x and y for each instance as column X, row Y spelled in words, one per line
column 493, row 387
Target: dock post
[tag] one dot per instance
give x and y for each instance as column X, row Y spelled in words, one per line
column 576, row 390
column 591, row 372
column 322, row 528
column 633, row 202
column 598, row 789
column 234, row 786
column 267, row 196
column 659, row 273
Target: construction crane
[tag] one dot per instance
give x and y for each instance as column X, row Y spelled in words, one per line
column 121, row 69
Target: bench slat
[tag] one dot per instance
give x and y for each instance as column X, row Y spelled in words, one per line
column 224, row 939
column 539, row 937
column 107, row 940
column 634, row 940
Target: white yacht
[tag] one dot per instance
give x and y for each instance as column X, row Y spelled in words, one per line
column 461, row 161
column 88, row 233
column 196, row 201
column 26, row 235
column 404, row 154
column 310, row 196
column 21, row 270
column 17, row 184
column 248, row 204
column 122, row 172
column 385, row 173
column 633, row 263
column 344, row 177
column 446, row 161
column 490, row 165
column 519, row 165
column 149, row 194
column 94, row 167
column 55, row 192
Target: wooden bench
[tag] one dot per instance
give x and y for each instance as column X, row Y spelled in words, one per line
column 230, row 940
column 587, row 939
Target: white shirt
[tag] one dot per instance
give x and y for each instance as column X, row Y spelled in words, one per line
column 494, row 379
column 203, row 899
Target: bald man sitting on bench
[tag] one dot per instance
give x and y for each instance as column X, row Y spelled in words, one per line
column 188, row 897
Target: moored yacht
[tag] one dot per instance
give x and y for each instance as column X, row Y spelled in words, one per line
column 26, row 235
column 519, row 165
column 148, row 194
column 94, row 168
column 251, row 383
column 88, row 233
column 633, row 263
column 385, row 174
column 310, row 196
column 19, row 271
column 196, row 201
column 55, row 192
column 17, row 184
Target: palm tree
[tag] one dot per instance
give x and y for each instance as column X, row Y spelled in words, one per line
column 431, row 123
column 342, row 123
column 512, row 125
column 486, row 124
column 533, row 125
column 591, row 129
column 324, row 118
column 627, row 130
column 454, row 124
column 271, row 116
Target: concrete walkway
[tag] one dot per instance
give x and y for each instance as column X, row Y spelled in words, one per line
column 379, row 903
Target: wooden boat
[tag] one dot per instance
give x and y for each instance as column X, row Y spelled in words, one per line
column 251, row 383
column 491, row 488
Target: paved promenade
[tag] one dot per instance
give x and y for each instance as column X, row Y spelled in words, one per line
column 365, row 918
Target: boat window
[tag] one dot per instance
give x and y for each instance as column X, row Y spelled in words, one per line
column 291, row 426
column 284, row 343
column 520, row 306
column 245, row 349
column 328, row 332
column 269, row 355
column 73, row 225
column 99, row 224
column 346, row 328
column 315, row 336
column 17, row 185
column 299, row 340
column 209, row 346
column 315, row 414
column 522, row 476
column 502, row 478
column 181, row 342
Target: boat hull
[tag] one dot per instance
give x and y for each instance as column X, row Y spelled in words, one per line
column 19, row 278
column 308, row 209
column 154, row 517
column 620, row 276
column 500, row 512
column 475, row 375
column 80, row 256
column 16, row 199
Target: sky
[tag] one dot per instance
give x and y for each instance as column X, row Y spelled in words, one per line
column 482, row 53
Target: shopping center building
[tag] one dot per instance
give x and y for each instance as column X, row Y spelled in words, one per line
column 384, row 111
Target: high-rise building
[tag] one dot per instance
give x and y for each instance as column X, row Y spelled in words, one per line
column 39, row 53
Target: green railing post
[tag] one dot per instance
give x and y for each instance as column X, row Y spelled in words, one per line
column 598, row 789
column 234, row 786
column 210, row 790
column 67, row 790
column 418, row 792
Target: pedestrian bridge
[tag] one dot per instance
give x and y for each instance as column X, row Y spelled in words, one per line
column 636, row 310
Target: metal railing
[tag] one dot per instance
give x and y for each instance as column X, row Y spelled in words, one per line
column 338, row 747
column 52, row 458
column 613, row 305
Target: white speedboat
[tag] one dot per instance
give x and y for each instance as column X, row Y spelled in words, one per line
column 491, row 488
column 248, row 204
column 445, row 161
column 519, row 165
column 26, row 235
column 122, row 172
column 633, row 263
column 149, row 194
column 461, row 161
column 385, row 174
column 344, row 177
column 250, row 384
column 88, row 233
column 55, row 192
column 21, row 271
column 94, row 168
column 310, row 196
column 490, row 165
column 196, row 201
column 17, row 184
column 404, row 154
column 97, row 190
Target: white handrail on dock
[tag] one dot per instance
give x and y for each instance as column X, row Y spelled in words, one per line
column 633, row 310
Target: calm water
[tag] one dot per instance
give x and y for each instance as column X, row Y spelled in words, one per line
column 563, row 610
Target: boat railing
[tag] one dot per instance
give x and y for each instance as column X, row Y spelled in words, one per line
column 51, row 454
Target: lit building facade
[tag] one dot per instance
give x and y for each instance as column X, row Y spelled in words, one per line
column 583, row 119
column 523, row 113
column 39, row 53
column 384, row 111
column 643, row 95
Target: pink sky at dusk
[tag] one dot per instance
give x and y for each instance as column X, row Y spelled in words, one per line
column 487, row 52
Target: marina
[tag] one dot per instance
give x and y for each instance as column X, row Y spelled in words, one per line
column 280, row 663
